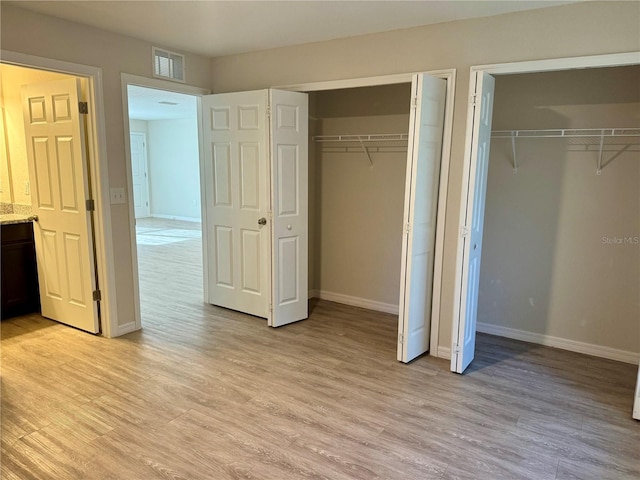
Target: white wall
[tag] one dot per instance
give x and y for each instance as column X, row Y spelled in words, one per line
column 546, row 268
column 31, row 33
column 586, row 28
column 174, row 168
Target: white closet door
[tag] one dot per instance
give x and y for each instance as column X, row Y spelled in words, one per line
column 289, row 184
column 59, row 181
column 426, row 129
column 464, row 351
column 139, row 174
column 237, row 195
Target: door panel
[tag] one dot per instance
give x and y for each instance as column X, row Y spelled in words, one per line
column 237, row 195
column 481, row 142
column 421, row 200
column 139, row 174
column 58, row 169
column 289, row 174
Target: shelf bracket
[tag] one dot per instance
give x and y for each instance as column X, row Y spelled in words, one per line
column 513, row 148
column 599, row 170
column 366, row 152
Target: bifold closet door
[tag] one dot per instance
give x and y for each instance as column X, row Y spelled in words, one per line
column 426, row 128
column 465, row 343
column 289, row 186
column 236, row 182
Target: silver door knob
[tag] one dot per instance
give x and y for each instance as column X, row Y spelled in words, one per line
column 262, row 221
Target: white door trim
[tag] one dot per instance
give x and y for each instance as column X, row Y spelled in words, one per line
column 99, row 179
column 146, row 170
column 127, row 79
column 548, row 65
column 450, row 76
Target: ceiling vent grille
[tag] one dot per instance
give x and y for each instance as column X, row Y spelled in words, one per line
column 169, row 65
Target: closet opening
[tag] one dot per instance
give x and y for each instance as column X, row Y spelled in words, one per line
column 560, row 230
column 359, row 186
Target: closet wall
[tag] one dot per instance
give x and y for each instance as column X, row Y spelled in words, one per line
column 561, row 248
column 355, row 209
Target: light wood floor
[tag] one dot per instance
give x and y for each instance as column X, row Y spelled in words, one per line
column 206, row 393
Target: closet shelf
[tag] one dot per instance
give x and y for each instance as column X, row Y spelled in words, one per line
column 377, row 137
column 366, row 142
column 624, row 137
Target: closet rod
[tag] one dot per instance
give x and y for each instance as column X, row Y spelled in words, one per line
column 600, row 133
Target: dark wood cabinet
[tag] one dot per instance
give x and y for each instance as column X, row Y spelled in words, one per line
column 20, row 293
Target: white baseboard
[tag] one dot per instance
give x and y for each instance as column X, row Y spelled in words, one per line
column 444, row 352
column 124, row 329
column 565, row 344
column 354, row 301
column 175, row 217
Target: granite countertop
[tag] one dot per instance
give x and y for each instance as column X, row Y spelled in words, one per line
column 10, row 218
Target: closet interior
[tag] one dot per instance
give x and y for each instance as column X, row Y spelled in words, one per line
column 561, row 245
column 357, row 168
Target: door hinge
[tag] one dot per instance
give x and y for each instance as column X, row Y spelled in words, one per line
column 97, row 296
column 91, row 205
column 407, row 228
column 268, row 110
column 464, row 231
column 271, row 307
column 401, row 338
column 83, row 108
column 414, row 102
column 472, row 99
column 455, row 348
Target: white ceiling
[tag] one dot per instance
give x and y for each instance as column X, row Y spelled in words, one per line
column 215, row 28
column 144, row 104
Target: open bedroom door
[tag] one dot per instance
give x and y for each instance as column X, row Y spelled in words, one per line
column 256, row 196
column 59, row 179
column 237, row 198
column 426, row 128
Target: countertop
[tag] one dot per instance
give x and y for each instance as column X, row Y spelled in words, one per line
column 10, row 218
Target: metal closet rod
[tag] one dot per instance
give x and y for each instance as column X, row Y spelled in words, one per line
column 602, row 133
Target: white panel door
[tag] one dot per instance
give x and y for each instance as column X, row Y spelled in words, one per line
column 139, row 173
column 289, row 186
column 237, row 196
column 56, row 154
column 426, row 128
column 474, row 222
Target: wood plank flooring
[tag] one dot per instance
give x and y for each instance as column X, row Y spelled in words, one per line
column 207, row 393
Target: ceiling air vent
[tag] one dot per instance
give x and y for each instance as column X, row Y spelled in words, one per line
column 168, row 65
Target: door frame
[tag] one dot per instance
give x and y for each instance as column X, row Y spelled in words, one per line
column 127, row 79
column 450, row 76
column 98, row 178
column 146, row 170
column 534, row 66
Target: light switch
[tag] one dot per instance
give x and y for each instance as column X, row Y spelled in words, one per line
column 117, row 196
